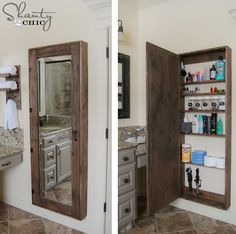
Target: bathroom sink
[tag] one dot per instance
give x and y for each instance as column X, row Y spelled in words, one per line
column 50, row 128
column 137, row 140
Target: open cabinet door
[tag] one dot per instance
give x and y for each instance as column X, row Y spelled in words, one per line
column 163, row 126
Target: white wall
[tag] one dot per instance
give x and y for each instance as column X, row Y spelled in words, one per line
column 73, row 21
column 182, row 26
column 128, row 13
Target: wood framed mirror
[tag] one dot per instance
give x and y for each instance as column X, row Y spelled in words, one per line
column 59, row 127
column 123, row 86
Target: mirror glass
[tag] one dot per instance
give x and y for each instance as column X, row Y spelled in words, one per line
column 120, row 87
column 55, row 128
column 123, row 86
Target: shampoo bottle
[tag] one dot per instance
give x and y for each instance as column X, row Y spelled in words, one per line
column 195, row 125
column 220, row 69
column 219, row 129
column 200, row 124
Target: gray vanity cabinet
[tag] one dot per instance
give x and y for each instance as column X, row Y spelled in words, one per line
column 55, row 158
column 63, row 161
column 126, row 187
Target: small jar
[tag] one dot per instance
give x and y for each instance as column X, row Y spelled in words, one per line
column 205, row 103
column 198, row 103
column 222, row 102
column 214, row 103
column 190, row 103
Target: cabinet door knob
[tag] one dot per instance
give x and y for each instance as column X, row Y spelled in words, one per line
column 127, row 210
column 126, row 181
column 125, row 158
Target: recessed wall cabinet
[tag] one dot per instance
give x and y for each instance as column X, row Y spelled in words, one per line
column 166, row 108
column 59, row 127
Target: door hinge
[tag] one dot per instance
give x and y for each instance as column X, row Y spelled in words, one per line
column 30, row 69
column 106, row 133
column 105, row 207
column 31, row 150
column 32, row 191
column 107, row 52
column 30, row 109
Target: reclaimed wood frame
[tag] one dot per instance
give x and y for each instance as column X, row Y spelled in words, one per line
column 79, row 58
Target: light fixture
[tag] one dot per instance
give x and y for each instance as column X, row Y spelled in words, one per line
column 233, row 13
column 121, row 35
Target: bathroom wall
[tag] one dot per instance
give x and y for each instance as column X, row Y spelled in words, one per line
column 128, row 14
column 182, row 26
column 73, row 21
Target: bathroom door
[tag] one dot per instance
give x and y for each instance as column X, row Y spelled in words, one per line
column 163, row 122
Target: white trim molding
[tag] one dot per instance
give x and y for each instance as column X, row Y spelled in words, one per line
column 101, row 10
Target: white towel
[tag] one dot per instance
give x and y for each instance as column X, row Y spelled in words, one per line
column 10, row 117
column 8, row 85
column 9, row 69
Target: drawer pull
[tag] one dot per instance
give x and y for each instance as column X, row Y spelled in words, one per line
column 50, row 142
column 126, row 159
column 126, row 181
column 127, row 210
column 6, row 164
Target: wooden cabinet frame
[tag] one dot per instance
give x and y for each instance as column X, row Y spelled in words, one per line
column 165, row 105
column 79, row 99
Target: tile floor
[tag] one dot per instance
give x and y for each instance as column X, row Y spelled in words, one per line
column 172, row 220
column 61, row 193
column 16, row 221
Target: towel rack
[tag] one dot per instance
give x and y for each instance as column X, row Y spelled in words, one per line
column 14, row 94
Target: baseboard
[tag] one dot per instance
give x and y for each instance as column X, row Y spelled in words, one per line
column 85, row 226
column 223, row 215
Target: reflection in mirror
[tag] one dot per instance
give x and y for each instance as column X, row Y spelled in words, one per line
column 123, row 86
column 55, row 128
column 120, row 87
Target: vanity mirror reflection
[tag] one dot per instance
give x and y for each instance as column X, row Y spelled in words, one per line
column 123, row 86
column 58, row 115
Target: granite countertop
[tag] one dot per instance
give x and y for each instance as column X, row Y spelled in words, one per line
column 43, row 131
column 7, row 151
column 126, row 145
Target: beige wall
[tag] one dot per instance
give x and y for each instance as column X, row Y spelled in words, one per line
column 128, row 13
column 182, row 26
column 73, row 21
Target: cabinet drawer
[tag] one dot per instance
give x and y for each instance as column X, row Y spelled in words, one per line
column 126, row 178
column 141, row 149
column 49, row 156
column 50, row 177
column 127, row 208
column 8, row 162
column 142, row 160
column 126, row 156
column 64, row 135
column 48, row 141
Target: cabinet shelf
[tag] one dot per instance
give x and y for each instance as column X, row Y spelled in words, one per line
column 203, row 111
column 202, row 94
column 14, row 94
column 203, row 134
column 207, row 198
column 190, row 163
column 203, row 82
